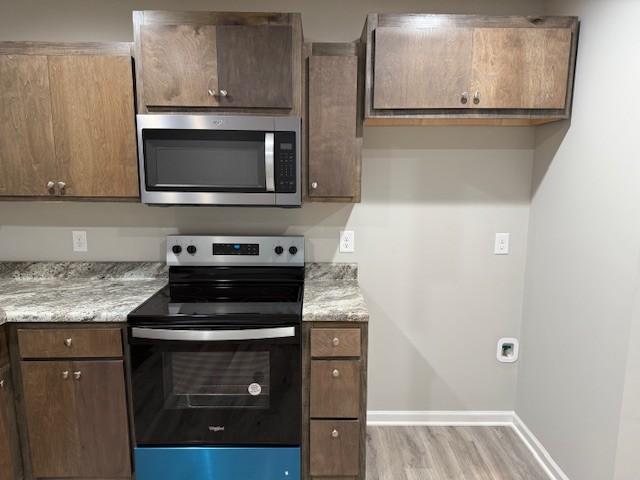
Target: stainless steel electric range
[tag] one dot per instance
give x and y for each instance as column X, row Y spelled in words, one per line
column 216, row 362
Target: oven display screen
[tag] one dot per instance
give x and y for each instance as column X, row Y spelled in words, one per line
column 236, row 249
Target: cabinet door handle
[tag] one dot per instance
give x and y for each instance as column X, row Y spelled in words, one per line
column 335, row 341
column 335, row 373
column 223, row 93
column 464, row 99
column 77, row 375
column 314, row 185
column 476, row 98
column 51, row 187
column 68, row 342
column 62, row 188
column 2, row 384
column 211, row 92
column 65, row 374
column 335, row 433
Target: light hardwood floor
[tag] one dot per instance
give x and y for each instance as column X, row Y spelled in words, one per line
column 449, row 453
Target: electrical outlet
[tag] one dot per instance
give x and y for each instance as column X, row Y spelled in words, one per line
column 508, row 350
column 79, row 238
column 502, row 244
column 347, row 241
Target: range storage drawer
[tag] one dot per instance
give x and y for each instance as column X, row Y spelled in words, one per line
column 335, row 448
column 70, row 343
column 335, row 389
column 335, row 342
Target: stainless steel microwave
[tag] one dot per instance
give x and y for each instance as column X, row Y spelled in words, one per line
column 204, row 159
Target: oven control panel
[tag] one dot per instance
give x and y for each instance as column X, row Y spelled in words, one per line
column 207, row 250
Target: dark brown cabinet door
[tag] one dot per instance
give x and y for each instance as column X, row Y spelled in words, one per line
column 101, row 413
column 76, row 419
column 422, row 68
column 255, row 66
column 9, row 457
column 179, row 65
column 334, row 448
column 332, row 126
column 94, row 129
column 27, row 161
column 52, row 423
column 524, row 68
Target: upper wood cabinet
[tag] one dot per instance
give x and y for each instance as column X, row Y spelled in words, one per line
column 67, row 121
column 334, row 123
column 465, row 69
column 222, row 61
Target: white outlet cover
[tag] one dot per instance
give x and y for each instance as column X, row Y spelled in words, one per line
column 514, row 351
column 79, row 240
column 347, row 241
column 502, row 244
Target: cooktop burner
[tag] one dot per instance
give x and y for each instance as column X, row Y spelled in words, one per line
column 263, row 286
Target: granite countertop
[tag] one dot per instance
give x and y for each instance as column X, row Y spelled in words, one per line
column 108, row 291
column 332, row 294
column 76, row 291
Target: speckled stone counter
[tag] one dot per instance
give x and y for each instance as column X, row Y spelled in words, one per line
column 332, row 294
column 76, row 291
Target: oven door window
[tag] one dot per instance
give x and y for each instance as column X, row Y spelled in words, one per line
column 217, row 393
column 205, row 160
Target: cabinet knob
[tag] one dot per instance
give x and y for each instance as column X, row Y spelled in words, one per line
column 61, row 188
column 335, row 373
column 464, row 99
column 335, row 433
column 211, row 92
column 335, row 341
column 314, row 185
column 223, row 93
column 68, row 342
column 65, row 374
column 51, row 187
column 2, row 384
column 77, row 375
column 476, row 98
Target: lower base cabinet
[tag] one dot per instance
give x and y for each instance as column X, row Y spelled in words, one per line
column 10, row 467
column 73, row 407
column 335, row 448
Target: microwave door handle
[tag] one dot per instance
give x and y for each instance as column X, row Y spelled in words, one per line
column 213, row 335
column 269, row 171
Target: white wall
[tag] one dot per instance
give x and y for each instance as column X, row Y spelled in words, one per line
column 583, row 247
column 432, row 200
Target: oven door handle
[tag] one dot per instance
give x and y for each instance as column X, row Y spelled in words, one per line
column 269, row 168
column 213, row 335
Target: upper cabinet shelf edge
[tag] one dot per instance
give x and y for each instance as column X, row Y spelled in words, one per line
column 219, row 61
column 468, row 69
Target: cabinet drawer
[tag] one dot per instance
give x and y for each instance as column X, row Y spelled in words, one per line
column 335, row 342
column 334, row 448
column 70, row 342
column 335, row 389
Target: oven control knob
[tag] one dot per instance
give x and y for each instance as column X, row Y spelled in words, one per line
column 293, row 250
column 191, row 249
column 177, row 249
column 279, row 250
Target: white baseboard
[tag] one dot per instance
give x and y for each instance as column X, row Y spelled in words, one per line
column 439, row 418
column 471, row 418
column 549, row 465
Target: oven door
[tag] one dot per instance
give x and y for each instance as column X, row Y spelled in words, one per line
column 232, row 387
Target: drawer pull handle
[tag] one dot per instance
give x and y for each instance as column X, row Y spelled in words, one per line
column 335, row 341
column 2, row 384
column 77, row 375
column 335, row 373
column 68, row 342
column 65, row 374
column 335, row 433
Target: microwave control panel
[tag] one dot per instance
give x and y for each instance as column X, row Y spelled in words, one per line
column 285, row 162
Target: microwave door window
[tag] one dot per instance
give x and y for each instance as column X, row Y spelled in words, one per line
column 210, row 165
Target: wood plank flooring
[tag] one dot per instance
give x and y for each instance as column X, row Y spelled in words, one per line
column 449, row 453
